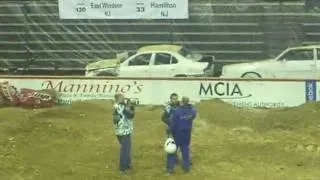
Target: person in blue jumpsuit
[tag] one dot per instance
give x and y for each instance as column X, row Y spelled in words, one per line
column 168, row 110
column 181, row 128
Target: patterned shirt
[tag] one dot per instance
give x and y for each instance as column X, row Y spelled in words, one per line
column 122, row 119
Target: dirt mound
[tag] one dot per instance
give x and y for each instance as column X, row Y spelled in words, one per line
column 224, row 114
column 301, row 117
column 295, row 118
column 78, row 142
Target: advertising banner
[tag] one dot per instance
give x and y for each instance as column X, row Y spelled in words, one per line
column 123, row 9
column 311, row 90
column 270, row 94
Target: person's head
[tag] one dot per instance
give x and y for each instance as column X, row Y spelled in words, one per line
column 185, row 100
column 119, row 98
column 174, row 98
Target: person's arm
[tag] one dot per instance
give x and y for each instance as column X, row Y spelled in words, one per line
column 118, row 113
column 194, row 113
column 165, row 115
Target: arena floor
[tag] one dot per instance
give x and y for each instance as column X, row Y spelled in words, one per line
column 77, row 143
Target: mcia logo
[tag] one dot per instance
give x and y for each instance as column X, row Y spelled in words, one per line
column 222, row 90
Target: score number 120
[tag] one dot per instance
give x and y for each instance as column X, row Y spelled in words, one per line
column 81, row 9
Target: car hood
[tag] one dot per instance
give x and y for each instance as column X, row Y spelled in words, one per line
column 250, row 64
column 108, row 63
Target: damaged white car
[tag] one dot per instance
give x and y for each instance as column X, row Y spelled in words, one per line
column 157, row 61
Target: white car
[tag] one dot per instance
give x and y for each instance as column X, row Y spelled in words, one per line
column 296, row 62
column 162, row 61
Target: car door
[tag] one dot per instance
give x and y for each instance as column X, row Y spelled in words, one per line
column 296, row 63
column 136, row 66
column 164, row 65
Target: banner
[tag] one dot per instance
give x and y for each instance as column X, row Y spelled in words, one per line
column 311, row 90
column 270, row 94
column 123, row 9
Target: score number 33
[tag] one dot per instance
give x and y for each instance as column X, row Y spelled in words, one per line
column 140, row 9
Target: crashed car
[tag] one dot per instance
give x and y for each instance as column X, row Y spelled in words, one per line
column 155, row 61
column 25, row 97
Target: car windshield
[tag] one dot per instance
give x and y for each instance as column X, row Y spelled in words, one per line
column 125, row 55
column 297, row 55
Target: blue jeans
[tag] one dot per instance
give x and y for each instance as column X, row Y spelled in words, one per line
column 125, row 152
column 182, row 140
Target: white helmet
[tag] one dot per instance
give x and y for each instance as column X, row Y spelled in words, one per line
column 170, row 146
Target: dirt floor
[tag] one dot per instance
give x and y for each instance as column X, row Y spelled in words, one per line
column 77, row 142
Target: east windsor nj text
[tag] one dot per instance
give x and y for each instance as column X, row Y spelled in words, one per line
column 117, row 5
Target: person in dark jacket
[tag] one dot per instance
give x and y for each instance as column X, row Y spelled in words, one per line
column 123, row 115
column 168, row 109
column 181, row 128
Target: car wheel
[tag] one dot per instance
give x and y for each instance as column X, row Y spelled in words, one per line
column 251, row 75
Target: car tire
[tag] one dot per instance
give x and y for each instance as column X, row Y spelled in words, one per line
column 251, row 75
